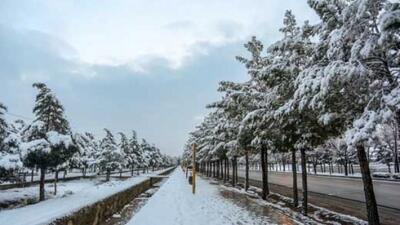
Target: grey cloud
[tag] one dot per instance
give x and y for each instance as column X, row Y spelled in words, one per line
column 161, row 105
column 180, row 25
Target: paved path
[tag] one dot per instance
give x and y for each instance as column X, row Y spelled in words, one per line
column 174, row 204
column 387, row 192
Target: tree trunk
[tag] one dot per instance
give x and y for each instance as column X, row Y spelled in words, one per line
column 108, row 175
column 294, row 172
column 132, row 170
column 210, row 169
column 315, row 167
column 346, row 172
column 304, row 181
column 264, row 168
column 372, row 208
column 32, row 172
column 352, row 168
column 41, row 184
column 223, row 167
column 233, row 173
column 65, row 174
column 24, row 180
column 55, row 182
column 220, row 169
column 236, row 170
column 395, row 153
column 246, row 186
column 213, row 169
column 227, row 169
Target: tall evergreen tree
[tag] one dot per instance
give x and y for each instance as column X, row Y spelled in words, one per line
column 3, row 124
column 111, row 156
column 134, row 152
column 49, row 142
column 129, row 149
column 49, row 111
column 10, row 159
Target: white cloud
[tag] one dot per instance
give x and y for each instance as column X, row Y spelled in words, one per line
column 125, row 31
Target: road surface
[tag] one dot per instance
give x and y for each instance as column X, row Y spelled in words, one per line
column 387, row 192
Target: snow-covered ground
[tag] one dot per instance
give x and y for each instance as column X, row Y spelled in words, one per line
column 73, row 196
column 64, row 189
column 174, row 204
column 50, row 176
column 74, row 173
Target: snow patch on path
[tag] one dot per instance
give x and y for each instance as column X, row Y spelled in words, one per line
column 174, row 204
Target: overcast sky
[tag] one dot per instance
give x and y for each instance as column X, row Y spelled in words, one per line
column 149, row 65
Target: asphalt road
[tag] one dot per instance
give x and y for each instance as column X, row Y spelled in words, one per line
column 387, row 192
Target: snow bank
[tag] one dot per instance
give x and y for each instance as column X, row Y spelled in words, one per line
column 51, row 209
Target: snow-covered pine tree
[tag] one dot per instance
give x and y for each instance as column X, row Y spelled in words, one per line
column 129, row 151
column 93, row 149
column 10, row 159
column 341, row 153
column 111, row 156
column 3, row 124
column 344, row 84
column 253, row 125
column 386, row 144
column 49, row 142
column 85, row 157
column 389, row 63
column 146, row 154
column 286, row 60
column 134, row 154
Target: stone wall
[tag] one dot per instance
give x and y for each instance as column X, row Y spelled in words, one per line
column 102, row 210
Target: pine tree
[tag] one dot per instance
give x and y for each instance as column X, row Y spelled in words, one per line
column 129, row 148
column 3, row 124
column 146, row 154
column 111, row 157
column 85, row 157
column 49, row 111
column 134, row 153
column 344, row 85
column 49, row 143
column 10, row 159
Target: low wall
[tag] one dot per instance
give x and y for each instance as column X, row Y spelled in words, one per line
column 104, row 209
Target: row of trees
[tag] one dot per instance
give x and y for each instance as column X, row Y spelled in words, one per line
column 335, row 156
column 337, row 79
column 49, row 144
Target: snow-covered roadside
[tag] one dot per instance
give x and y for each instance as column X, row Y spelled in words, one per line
column 51, row 209
column 50, row 176
column 174, row 204
column 18, row 195
column 317, row 215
